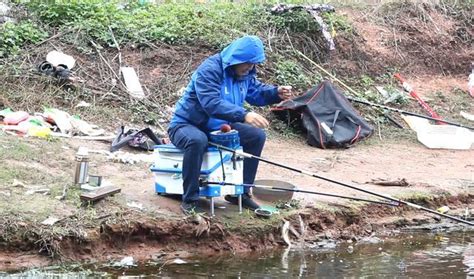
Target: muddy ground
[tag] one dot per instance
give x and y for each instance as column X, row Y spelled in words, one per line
column 429, row 47
column 113, row 228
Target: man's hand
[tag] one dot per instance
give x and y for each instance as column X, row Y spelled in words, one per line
column 284, row 92
column 256, row 120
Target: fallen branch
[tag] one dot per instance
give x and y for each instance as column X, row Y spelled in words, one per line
column 383, row 182
column 107, row 63
column 117, row 46
column 55, row 36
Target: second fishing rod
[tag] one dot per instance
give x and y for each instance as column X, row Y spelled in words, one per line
column 247, row 155
column 300, row 191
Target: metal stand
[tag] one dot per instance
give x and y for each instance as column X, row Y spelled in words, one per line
column 240, row 204
column 212, row 206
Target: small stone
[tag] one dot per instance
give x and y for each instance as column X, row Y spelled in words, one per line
column 350, row 249
column 271, row 237
column 328, row 235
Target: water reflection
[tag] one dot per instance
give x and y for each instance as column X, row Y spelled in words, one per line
column 418, row 256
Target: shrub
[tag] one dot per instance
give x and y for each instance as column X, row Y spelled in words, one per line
column 15, row 35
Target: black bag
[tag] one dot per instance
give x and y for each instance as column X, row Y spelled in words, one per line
column 143, row 139
column 327, row 116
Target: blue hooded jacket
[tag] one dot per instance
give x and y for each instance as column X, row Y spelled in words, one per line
column 215, row 95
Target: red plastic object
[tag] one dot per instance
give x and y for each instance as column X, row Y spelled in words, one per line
column 15, row 117
column 420, row 101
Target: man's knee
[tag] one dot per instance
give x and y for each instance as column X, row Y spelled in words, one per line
column 198, row 141
column 260, row 136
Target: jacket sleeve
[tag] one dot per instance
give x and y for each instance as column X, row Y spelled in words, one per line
column 260, row 94
column 208, row 90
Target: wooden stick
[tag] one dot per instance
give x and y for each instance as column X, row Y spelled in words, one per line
column 117, row 46
column 55, row 36
column 328, row 73
column 107, row 63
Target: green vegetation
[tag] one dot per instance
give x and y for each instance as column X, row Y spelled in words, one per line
column 13, row 36
column 167, row 22
column 289, row 72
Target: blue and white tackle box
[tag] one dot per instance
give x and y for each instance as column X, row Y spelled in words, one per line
column 167, row 169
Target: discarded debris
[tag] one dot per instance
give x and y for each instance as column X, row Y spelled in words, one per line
column 50, row 221
column 383, row 182
column 314, row 10
column 131, row 81
column 261, row 212
column 407, row 87
column 370, row 240
column 440, row 136
column 285, row 228
column 17, row 183
column 467, row 116
column 125, row 262
column 83, row 104
column 130, row 158
column 53, row 122
column 294, row 232
column 57, row 58
column 326, row 244
column 136, row 205
column 443, row 209
column 144, row 139
column 58, row 65
column 44, row 191
column 178, row 261
column 203, row 224
column 14, row 118
column 64, row 193
column 100, row 193
column 95, row 180
column 302, row 225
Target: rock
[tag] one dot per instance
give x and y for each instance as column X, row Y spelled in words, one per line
column 284, row 233
column 158, row 256
column 370, row 240
column 50, row 221
column 271, row 238
column 125, row 262
column 178, row 261
column 4, row 9
column 368, row 228
column 346, row 235
column 350, row 249
column 325, row 244
column 328, row 235
column 305, row 214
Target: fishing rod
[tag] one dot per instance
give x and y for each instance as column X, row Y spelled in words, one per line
column 298, row 191
column 409, row 113
column 247, row 155
column 377, row 105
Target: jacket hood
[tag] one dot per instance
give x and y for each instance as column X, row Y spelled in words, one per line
column 247, row 49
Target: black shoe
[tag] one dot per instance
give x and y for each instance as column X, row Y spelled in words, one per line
column 191, row 208
column 247, row 201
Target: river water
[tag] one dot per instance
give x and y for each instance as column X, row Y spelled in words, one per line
column 410, row 255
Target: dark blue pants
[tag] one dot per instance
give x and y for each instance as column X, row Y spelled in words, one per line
column 194, row 143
